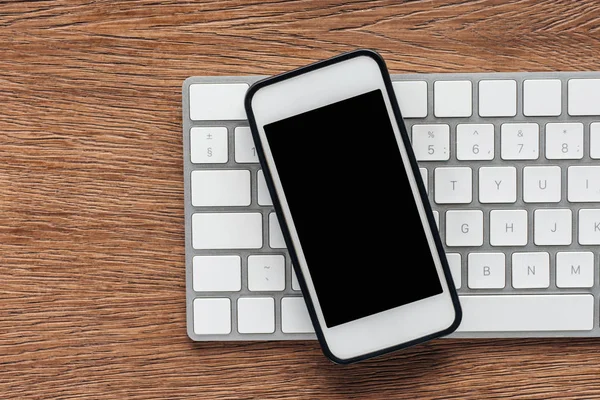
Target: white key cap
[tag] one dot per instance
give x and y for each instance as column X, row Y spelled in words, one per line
column 423, row 172
column 589, row 226
column 583, row 184
column 217, row 273
column 266, row 273
column 215, row 101
column 553, row 227
column 431, row 142
column 436, row 216
column 564, row 141
column 575, row 269
column 498, row 98
column 454, row 262
column 276, row 240
column 524, row 313
column 212, row 316
column 227, row 230
column 541, row 184
column 508, row 227
column 264, row 198
column 294, row 316
column 486, row 271
column 221, row 188
column 542, row 97
column 520, row 141
column 530, row 270
column 256, row 315
column 584, row 96
column 452, row 98
column 595, row 140
column 475, row 141
column 208, row 145
column 453, row 185
column 412, row 98
column 464, row 228
column 295, row 283
column 245, row 150
column 497, row 184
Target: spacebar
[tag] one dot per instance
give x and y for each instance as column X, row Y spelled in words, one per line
column 511, row 313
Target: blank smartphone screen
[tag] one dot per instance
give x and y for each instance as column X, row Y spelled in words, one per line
column 350, row 200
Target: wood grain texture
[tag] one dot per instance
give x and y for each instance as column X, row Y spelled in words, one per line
column 92, row 292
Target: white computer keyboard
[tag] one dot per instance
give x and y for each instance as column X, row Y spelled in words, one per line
column 512, row 166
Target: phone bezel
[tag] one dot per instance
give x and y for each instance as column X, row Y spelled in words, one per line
column 417, row 309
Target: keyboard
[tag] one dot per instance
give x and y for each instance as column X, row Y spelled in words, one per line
column 511, row 162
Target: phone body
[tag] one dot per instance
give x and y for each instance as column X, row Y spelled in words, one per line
column 352, row 206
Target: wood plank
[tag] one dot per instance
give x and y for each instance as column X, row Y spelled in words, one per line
column 91, row 192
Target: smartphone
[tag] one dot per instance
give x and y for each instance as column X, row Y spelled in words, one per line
column 352, row 206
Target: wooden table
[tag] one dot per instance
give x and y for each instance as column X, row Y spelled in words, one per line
column 91, row 193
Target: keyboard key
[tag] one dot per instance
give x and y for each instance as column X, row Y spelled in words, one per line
column 294, row 316
column 589, row 226
column 527, row 313
column 542, row 184
column 542, row 97
column 475, row 141
column 583, row 184
column 221, row 188
column 217, row 101
column 208, row 145
column 245, row 150
column 454, row 262
column 520, row 141
column 497, row 184
column 464, row 228
column 497, row 98
column 256, row 315
column 217, row 273
column 595, row 140
column 452, row 98
column 486, row 271
column 212, row 316
column 575, row 269
column 412, row 98
column 530, row 270
column 295, row 283
column 266, row 273
column 508, row 227
column 553, row 227
column 564, row 141
column 227, row 230
column 431, row 142
column 584, row 96
column 264, row 198
column 453, row 185
column 423, row 172
column 276, row 240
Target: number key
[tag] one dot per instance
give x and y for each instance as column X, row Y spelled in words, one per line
column 519, row 141
column 431, row 142
column 245, row 151
column 564, row 141
column 475, row 142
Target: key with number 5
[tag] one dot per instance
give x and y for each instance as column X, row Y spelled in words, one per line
column 431, row 142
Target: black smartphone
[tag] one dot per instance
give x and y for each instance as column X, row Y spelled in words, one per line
column 352, row 206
